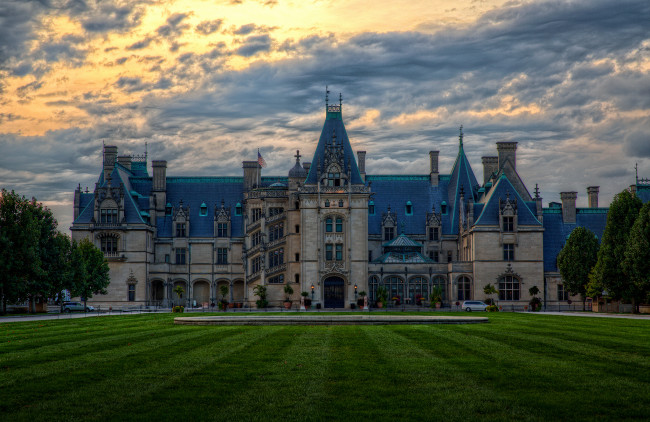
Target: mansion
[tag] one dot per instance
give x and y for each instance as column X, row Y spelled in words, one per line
column 328, row 228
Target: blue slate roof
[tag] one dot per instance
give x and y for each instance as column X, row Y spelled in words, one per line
column 556, row 231
column 333, row 124
column 396, row 191
column 489, row 214
column 461, row 176
column 643, row 192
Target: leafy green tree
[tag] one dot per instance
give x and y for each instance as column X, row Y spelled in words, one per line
column 637, row 257
column 576, row 260
column 90, row 270
column 490, row 290
column 608, row 273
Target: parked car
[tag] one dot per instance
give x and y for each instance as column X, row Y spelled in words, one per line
column 474, row 305
column 76, row 306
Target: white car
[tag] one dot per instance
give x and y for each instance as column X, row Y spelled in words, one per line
column 474, row 305
column 76, row 306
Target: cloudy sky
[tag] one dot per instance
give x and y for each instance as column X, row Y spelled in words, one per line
column 206, row 83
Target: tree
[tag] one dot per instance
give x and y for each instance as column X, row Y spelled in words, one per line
column 637, row 257
column 260, row 291
column 489, row 290
column 90, row 270
column 576, row 260
column 608, row 273
column 535, row 303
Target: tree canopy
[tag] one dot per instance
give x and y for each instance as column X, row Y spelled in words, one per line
column 637, row 257
column 608, row 273
column 576, row 260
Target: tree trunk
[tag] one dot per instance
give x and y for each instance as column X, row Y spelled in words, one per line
column 584, row 302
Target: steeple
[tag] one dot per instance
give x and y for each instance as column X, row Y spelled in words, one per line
column 460, row 137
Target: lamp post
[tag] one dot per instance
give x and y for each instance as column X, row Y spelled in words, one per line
column 312, row 292
column 355, row 291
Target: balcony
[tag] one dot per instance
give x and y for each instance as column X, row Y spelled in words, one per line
column 254, row 194
column 276, row 217
column 253, row 226
column 114, row 256
column 253, row 276
column 276, row 242
column 277, row 269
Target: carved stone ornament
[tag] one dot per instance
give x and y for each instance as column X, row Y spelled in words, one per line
column 222, row 215
column 433, row 219
column 334, row 267
column 131, row 279
column 389, row 218
column 508, row 206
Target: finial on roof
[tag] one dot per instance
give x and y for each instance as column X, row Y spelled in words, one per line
column 636, row 171
column 340, row 100
column 297, row 156
column 462, row 191
column 145, row 151
column 460, row 137
column 327, row 96
column 536, row 191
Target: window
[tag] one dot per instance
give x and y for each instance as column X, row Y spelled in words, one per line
column 278, row 279
column 297, row 228
column 418, row 287
column 333, row 179
column 449, row 256
column 389, row 233
column 203, row 211
column 562, row 295
column 109, row 245
column 275, row 211
column 464, row 289
column 339, row 252
column 296, row 278
column 256, row 265
column 166, row 258
column 339, row 225
column 168, row 209
column 371, row 208
column 238, row 209
column 443, row 207
column 327, row 203
column 297, row 257
column 434, row 234
column 508, row 288
column 409, row 208
column 276, row 258
column 222, row 229
column 276, row 232
column 108, row 215
column 256, row 214
column 508, row 252
column 222, row 256
column 256, row 238
column 131, row 292
column 180, row 229
column 328, row 225
column 369, row 256
column 328, row 252
column 434, row 256
column 297, row 205
column 508, row 224
column 180, row 256
column 340, row 203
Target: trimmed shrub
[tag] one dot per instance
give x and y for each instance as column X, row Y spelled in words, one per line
column 178, row 309
column 492, row 308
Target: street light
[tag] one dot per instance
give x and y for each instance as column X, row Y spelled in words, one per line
column 355, row 290
column 312, row 291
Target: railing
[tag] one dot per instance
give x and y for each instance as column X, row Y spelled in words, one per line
column 276, row 217
column 106, row 225
column 276, row 242
column 276, row 269
column 253, row 226
column 335, row 189
column 254, row 194
column 253, row 276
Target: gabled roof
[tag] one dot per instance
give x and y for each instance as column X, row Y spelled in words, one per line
column 402, row 241
column 490, row 211
column 403, row 258
column 333, row 125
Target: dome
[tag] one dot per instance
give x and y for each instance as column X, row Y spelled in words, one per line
column 298, row 171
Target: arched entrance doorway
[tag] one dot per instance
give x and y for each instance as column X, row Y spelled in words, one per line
column 157, row 291
column 333, row 293
column 201, row 293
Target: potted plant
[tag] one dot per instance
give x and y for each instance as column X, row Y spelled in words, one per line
column 179, row 290
column 307, row 300
column 260, row 291
column 223, row 303
column 361, row 299
column 490, row 290
column 396, row 300
column 288, row 290
column 436, row 297
column 535, row 302
column 382, row 296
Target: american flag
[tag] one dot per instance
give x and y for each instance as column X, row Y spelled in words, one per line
column 260, row 159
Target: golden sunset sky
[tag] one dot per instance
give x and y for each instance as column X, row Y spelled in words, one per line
column 206, row 83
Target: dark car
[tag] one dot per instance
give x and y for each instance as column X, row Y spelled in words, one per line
column 76, row 306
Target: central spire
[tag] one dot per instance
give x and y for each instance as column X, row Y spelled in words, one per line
column 460, row 136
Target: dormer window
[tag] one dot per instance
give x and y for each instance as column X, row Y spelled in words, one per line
column 168, row 209
column 238, row 209
column 508, row 224
column 334, row 179
column 371, row 208
column 443, row 207
column 108, row 215
column 409, row 208
column 203, row 211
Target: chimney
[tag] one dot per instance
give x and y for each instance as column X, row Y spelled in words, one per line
column 124, row 161
column 433, row 167
column 592, row 194
column 252, row 174
column 569, row 206
column 361, row 158
column 633, row 189
column 159, row 175
column 110, row 152
column 306, row 166
column 490, row 165
column 507, row 152
column 77, row 202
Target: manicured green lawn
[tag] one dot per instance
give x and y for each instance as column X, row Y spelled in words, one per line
column 142, row 367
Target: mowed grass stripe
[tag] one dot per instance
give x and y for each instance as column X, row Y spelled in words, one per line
column 101, row 387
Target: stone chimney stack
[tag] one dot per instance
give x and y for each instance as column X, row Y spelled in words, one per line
column 592, row 193
column 159, row 191
column 361, row 158
column 77, row 202
column 252, row 174
column 569, row 206
column 507, row 152
column 124, row 161
column 490, row 165
column 306, row 166
column 110, row 153
column 433, row 167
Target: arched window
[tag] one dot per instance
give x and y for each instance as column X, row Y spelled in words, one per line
column 464, row 288
column 327, row 203
column 418, row 289
column 509, row 288
column 238, row 209
column 441, row 283
column 395, row 287
column 371, row 208
column 409, row 208
column 373, row 282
